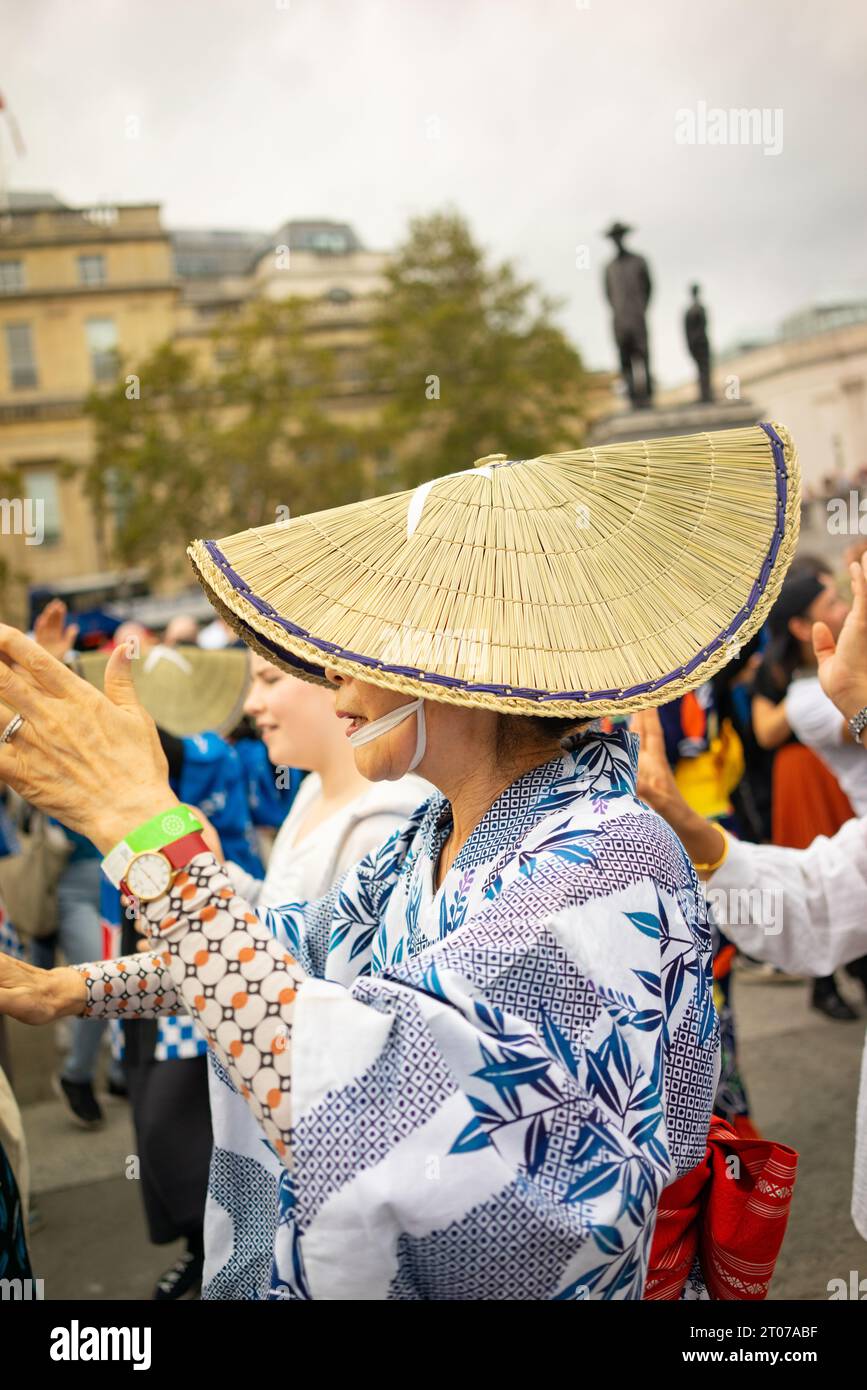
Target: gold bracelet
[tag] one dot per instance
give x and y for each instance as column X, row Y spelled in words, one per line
column 711, row 868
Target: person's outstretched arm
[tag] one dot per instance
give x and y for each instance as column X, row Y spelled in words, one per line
column 800, row 909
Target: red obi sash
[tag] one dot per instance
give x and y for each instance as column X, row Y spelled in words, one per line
column 731, row 1211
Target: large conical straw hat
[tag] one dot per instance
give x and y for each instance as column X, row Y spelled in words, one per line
column 576, row 584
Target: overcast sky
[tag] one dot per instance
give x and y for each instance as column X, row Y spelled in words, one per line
column 541, row 120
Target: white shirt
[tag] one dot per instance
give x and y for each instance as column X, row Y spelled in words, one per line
column 305, row 871
column 819, row 725
column 804, row 910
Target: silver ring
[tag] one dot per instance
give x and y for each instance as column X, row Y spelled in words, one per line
column 11, row 729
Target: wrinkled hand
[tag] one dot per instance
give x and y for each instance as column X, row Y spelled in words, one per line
column 51, row 631
column 656, row 785
column 843, row 665
column 93, row 760
column 39, row 996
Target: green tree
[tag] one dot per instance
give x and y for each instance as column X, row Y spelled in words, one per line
column 185, row 450
column 469, row 358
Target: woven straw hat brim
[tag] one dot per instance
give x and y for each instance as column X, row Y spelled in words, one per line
column 578, row 584
column 186, row 690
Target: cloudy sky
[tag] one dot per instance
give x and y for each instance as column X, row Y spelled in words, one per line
column 541, row 120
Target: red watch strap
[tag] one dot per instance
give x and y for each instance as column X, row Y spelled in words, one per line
column 180, row 852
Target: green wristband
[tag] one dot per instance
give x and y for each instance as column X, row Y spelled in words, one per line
column 162, row 829
column 155, row 834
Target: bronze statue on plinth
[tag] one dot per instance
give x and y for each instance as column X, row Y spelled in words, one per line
column 698, row 343
column 627, row 288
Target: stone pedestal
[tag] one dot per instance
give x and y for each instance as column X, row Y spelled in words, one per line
column 628, row 425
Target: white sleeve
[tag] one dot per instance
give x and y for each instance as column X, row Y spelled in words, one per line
column 244, row 884
column 804, row 910
column 814, row 719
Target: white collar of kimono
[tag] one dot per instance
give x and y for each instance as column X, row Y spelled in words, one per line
column 368, row 732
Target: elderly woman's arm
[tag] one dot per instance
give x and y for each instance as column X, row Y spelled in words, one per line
column 214, row 958
column 236, row 979
column 135, row 986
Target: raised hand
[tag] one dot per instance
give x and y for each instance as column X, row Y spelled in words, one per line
column 93, row 760
column 702, row 840
column 51, row 630
column 656, row 784
column 843, row 665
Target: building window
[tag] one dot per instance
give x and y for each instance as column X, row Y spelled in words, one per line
column 328, row 243
column 11, row 276
column 102, row 345
column 91, row 270
column 22, row 361
column 41, row 486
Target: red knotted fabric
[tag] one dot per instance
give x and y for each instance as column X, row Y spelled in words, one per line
column 732, row 1214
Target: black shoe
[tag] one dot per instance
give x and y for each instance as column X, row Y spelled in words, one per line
column 833, row 1006
column 183, row 1280
column 117, row 1088
column 80, row 1101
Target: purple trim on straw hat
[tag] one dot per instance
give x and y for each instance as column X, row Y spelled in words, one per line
column 453, row 683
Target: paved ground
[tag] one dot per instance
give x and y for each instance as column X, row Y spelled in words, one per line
column 801, row 1070
column 802, row 1074
column 93, row 1241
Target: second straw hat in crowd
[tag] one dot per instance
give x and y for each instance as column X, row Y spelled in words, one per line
column 574, row 584
column 184, row 689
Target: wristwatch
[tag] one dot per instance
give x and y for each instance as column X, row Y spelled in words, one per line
column 858, row 723
column 150, row 874
column 153, row 853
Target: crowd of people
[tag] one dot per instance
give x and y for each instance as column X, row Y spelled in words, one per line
column 446, row 957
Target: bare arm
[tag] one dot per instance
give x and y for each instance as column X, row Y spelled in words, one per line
column 770, row 722
column 703, row 841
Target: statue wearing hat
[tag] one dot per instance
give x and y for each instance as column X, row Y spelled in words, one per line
column 695, row 328
column 627, row 288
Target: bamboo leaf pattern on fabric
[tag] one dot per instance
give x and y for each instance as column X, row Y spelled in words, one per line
column 533, row 1023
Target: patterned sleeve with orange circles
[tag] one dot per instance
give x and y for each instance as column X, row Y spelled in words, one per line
column 135, row 986
column 237, row 981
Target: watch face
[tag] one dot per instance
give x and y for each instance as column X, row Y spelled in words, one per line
column 148, row 876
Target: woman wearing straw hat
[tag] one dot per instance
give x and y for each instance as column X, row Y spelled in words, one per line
column 336, row 819
column 483, row 1056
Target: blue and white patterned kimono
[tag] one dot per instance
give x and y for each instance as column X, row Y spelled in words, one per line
column 493, row 1083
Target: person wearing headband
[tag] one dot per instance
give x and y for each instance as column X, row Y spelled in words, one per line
column 485, row 1053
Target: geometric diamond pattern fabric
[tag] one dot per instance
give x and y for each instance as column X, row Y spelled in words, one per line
column 497, row 1079
column 246, row 1273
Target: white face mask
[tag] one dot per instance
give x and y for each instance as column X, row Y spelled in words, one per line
column 368, row 732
